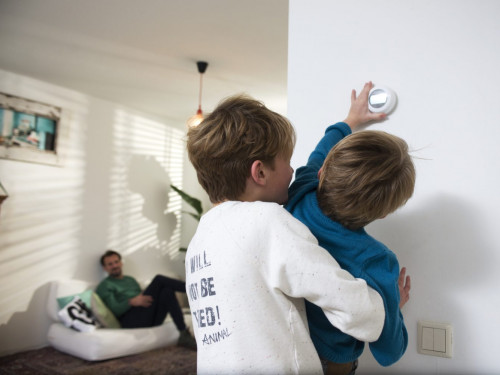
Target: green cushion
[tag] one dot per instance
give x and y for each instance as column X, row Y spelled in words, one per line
column 84, row 296
column 102, row 313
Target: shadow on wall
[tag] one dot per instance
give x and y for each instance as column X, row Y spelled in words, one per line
column 440, row 243
column 38, row 321
column 147, row 177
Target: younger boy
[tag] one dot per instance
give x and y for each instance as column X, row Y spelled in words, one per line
column 250, row 263
column 366, row 176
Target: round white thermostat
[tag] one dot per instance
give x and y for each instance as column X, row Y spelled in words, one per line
column 381, row 99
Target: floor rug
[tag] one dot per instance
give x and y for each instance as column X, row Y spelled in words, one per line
column 171, row 360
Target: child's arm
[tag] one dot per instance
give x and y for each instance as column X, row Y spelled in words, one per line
column 359, row 115
column 383, row 274
column 306, row 177
column 302, row 269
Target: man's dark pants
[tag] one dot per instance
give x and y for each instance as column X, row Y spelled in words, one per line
column 162, row 289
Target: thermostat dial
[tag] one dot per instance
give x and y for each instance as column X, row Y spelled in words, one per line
column 382, row 99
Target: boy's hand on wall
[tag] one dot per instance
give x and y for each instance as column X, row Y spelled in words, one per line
column 359, row 114
column 404, row 284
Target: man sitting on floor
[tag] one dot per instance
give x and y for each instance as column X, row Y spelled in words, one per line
column 135, row 308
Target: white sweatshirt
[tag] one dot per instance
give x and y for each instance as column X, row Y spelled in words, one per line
column 248, row 268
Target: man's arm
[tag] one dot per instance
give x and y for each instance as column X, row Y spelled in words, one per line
column 141, row 300
column 117, row 296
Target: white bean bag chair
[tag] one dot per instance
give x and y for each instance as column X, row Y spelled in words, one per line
column 102, row 343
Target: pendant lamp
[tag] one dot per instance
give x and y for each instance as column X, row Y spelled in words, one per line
column 198, row 117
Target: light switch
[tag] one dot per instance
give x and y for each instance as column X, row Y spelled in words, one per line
column 435, row 339
column 439, row 340
column 427, row 338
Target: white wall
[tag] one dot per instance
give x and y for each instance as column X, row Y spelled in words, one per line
column 111, row 191
column 442, row 59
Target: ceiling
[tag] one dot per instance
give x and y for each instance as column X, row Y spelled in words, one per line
column 143, row 53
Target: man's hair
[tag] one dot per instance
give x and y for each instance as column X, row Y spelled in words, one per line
column 108, row 254
column 365, row 177
column 238, row 132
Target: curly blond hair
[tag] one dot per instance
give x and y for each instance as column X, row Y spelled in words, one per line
column 238, row 132
column 365, row 177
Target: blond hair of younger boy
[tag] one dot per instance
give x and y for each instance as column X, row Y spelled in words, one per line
column 250, row 264
column 365, row 177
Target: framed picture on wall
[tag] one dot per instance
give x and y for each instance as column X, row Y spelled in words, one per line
column 28, row 130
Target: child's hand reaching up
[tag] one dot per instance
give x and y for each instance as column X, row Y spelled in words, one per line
column 359, row 114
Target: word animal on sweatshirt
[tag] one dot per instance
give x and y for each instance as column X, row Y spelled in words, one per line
column 216, row 337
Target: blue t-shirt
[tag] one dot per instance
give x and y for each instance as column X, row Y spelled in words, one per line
column 357, row 252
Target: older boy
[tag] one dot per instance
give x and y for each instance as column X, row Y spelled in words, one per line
column 365, row 176
column 250, row 263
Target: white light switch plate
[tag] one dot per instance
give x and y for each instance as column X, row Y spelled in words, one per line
column 435, row 339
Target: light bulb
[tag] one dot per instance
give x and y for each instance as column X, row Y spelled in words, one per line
column 195, row 120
